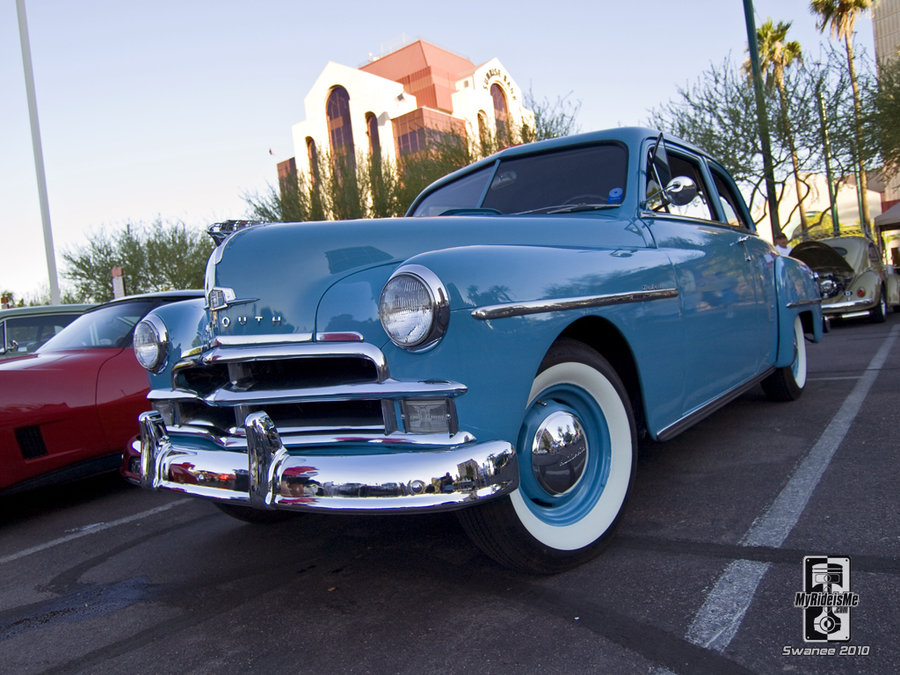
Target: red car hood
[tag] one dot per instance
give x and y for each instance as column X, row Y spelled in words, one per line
column 49, row 378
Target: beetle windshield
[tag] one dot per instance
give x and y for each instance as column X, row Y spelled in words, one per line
column 108, row 326
column 582, row 178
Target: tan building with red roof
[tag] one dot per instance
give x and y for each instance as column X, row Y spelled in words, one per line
column 401, row 102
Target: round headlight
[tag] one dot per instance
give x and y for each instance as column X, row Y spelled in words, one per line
column 414, row 309
column 151, row 343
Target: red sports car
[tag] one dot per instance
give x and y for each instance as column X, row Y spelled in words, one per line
column 68, row 410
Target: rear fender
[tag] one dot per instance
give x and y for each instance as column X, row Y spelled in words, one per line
column 797, row 295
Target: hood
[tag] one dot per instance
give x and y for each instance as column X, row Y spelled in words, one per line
column 821, row 258
column 50, row 378
column 274, row 275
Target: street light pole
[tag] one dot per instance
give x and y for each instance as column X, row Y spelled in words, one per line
column 38, row 153
column 763, row 119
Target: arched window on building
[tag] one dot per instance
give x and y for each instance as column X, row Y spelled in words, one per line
column 501, row 114
column 340, row 133
column 313, row 156
column 372, row 133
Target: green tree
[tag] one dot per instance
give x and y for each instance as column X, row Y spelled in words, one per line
column 552, row 119
column 717, row 112
column 840, row 17
column 776, row 55
column 885, row 114
column 162, row 256
column 372, row 187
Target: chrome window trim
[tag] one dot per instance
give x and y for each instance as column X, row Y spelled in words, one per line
column 564, row 304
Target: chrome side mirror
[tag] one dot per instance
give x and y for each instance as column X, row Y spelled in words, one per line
column 681, row 191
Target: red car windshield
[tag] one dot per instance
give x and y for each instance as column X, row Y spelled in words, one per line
column 109, row 326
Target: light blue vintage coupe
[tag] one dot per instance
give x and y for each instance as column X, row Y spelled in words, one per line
column 498, row 352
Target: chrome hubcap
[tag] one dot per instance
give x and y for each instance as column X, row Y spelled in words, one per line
column 559, row 452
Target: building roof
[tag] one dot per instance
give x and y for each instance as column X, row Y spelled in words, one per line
column 427, row 72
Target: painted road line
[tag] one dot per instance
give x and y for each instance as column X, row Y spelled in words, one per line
column 91, row 529
column 720, row 617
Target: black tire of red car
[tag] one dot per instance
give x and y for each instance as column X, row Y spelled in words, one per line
column 256, row 516
column 570, row 500
column 787, row 383
column 878, row 314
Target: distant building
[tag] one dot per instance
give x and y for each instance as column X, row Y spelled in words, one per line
column 402, row 103
column 886, row 26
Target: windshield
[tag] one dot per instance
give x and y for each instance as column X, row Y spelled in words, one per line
column 591, row 176
column 108, row 326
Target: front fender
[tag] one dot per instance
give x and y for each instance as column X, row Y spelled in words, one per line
column 498, row 357
column 187, row 330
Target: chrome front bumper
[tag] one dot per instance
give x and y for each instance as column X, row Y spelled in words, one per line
column 267, row 476
column 845, row 307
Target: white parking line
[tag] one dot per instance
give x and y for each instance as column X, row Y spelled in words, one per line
column 720, row 617
column 91, row 529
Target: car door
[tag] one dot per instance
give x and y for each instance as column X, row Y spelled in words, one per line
column 727, row 323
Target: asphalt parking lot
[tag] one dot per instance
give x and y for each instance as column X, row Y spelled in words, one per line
column 702, row 577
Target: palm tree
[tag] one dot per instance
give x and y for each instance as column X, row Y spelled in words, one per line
column 841, row 15
column 775, row 56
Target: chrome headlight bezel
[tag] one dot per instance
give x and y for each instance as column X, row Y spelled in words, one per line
column 151, row 343
column 423, row 321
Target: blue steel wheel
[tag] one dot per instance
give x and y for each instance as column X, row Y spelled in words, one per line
column 787, row 383
column 576, row 450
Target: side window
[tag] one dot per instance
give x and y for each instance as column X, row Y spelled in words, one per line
column 874, row 256
column 699, row 207
column 730, row 202
column 682, row 166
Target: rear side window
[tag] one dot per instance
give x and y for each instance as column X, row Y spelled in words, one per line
column 730, row 203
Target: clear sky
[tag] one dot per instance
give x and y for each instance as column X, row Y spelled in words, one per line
column 169, row 108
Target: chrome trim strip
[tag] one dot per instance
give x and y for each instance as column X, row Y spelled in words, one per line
column 247, row 340
column 258, row 352
column 564, row 304
column 267, row 476
column 339, row 336
column 347, row 392
column 300, row 438
column 391, row 389
column 804, row 303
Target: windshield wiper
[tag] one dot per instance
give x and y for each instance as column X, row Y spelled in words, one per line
column 568, row 208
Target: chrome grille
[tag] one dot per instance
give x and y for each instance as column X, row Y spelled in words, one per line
column 312, row 392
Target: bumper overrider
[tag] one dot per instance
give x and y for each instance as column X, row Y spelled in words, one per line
column 268, row 476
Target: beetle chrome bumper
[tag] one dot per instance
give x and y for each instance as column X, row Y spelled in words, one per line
column 267, row 476
column 845, row 307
